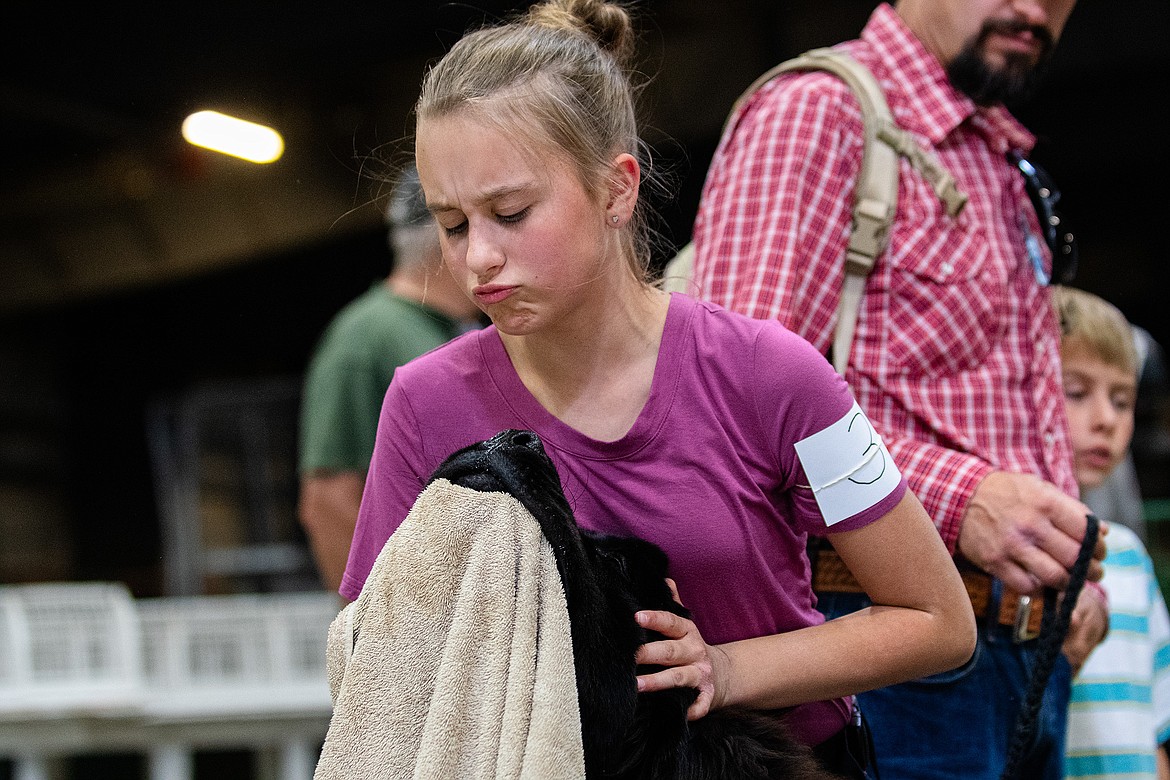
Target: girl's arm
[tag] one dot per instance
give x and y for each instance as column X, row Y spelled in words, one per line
column 920, row 623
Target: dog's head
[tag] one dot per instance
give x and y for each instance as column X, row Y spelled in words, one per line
column 478, row 465
column 514, row 462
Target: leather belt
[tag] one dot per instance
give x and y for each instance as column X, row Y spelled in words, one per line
column 1023, row 613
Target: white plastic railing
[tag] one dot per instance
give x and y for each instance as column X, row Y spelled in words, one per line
column 86, row 668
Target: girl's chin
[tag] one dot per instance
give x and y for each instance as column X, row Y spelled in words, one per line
column 514, row 326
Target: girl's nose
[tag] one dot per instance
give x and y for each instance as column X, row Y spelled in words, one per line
column 484, row 255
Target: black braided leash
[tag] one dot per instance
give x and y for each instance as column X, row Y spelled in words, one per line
column 1053, row 628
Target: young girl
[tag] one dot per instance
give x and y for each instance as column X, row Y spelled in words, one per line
column 722, row 439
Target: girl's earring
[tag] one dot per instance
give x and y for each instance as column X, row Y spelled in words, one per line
column 614, row 219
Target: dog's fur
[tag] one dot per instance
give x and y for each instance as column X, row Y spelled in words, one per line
column 606, row 579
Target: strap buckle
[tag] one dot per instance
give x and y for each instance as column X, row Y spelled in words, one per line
column 1023, row 617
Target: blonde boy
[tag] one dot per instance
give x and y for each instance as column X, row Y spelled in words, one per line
column 1119, row 714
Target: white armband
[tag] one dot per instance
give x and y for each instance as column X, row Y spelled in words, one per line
column 848, row 466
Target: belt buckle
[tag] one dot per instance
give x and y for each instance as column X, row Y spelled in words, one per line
column 1023, row 617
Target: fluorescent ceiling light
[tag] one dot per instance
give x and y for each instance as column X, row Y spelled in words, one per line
column 237, row 137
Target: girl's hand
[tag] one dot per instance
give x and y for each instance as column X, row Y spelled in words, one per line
column 690, row 662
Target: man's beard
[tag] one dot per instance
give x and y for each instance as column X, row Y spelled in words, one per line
column 1014, row 81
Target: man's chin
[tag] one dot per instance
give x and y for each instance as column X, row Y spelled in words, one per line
column 992, row 77
column 1010, row 65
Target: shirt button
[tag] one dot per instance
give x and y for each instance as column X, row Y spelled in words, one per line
column 947, row 268
column 1049, row 438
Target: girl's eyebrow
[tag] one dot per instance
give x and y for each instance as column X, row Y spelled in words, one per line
column 495, row 193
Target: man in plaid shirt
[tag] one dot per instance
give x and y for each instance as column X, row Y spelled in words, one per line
column 956, row 352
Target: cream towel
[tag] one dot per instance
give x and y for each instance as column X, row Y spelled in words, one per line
column 463, row 660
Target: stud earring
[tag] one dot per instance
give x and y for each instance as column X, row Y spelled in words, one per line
column 614, row 219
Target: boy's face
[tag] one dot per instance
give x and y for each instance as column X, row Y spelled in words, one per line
column 1099, row 398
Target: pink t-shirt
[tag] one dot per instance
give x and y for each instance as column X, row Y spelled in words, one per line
column 708, row 472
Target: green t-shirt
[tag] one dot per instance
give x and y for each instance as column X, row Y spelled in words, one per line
column 350, row 370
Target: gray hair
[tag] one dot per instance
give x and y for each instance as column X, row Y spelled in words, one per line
column 413, row 236
column 407, row 206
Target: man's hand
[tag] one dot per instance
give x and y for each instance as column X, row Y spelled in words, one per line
column 1086, row 628
column 1026, row 532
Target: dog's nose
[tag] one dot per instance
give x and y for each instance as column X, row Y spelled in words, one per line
column 515, row 438
column 525, row 439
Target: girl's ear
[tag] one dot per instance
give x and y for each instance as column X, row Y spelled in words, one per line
column 624, row 179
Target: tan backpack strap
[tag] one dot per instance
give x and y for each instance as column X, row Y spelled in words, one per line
column 676, row 276
column 876, row 198
column 927, row 164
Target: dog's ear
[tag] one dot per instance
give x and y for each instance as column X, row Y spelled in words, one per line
column 635, row 554
column 639, row 566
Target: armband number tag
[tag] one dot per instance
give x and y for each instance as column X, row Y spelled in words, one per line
column 848, row 466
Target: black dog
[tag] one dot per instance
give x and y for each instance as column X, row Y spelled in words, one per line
column 606, row 580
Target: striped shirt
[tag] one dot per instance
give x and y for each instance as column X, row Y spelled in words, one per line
column 1120, row 708
column 955, row 357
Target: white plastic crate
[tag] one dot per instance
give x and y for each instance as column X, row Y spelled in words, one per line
column 68, row 649
column 13, row 661
column 86, row 668
column 229, row 655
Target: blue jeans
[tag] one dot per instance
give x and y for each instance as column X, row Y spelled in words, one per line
column 959, row 724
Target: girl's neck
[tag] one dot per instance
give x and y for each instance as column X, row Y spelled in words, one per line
column 609, row 329
column 596, row 375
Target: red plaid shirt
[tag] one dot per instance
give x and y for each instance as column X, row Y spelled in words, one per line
column 956, row 354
